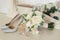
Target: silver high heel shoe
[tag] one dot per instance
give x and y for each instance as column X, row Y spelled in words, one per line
column 16, row 27
column 10, row 23
column 7, row 29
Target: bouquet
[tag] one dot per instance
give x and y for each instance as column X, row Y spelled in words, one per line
column 33, row 21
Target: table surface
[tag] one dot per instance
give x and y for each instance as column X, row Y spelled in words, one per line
column 45, row 34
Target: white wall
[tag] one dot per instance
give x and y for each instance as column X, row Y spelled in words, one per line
column 7, row 7
column 36, row 1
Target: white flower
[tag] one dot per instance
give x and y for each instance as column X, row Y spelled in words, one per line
column 36, row 26
column 35, row 31
column 38, row 13
column 50, row 5
column 28, row 24
column 36, row 19
column 28, row 16
column 42, row 7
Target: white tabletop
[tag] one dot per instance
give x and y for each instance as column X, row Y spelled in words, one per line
column 45, row 34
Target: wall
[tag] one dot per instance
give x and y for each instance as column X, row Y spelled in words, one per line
column 7, row 11
column 7, row 7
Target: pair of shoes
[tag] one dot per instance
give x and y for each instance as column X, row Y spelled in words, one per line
column 7, row 29
column 13, row 20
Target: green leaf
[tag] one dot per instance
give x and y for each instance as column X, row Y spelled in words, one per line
column 39, row 28
column 26, row 20
column 53, row 9
column 55, row 17
column 51, row 25
column 32, row 26
column 25, row 15
column 43, row 16
column 33, row 14
column 45, row 6
column 47, row 11
column 30, row 29
column 41, row 23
